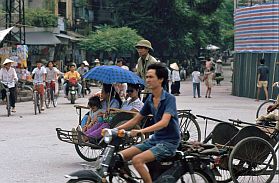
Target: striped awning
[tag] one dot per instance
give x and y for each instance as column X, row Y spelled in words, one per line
column 257, row 28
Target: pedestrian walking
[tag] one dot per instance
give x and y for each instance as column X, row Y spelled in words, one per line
column 262, row 79
column 218, row 71
column 196, row 79
column 175, row 78
column 208, row 80
column 9, row 78
column 144, row 48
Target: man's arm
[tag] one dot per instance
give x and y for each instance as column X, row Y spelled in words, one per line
column 164, row 122
column 132, row 122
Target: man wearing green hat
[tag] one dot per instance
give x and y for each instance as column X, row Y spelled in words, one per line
column 144, row 47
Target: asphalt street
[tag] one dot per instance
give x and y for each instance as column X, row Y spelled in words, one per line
column 31, row 152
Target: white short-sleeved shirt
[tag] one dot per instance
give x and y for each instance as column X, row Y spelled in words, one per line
column 195, row 77
column 38, row 78
column 137, row 105
column 8, row 77
column 50, row 75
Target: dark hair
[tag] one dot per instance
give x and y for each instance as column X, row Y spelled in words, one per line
column 161, row 71
column 72, row 64
column 94, row 101
column 108, row 88
column 135, row 86
column 196, row 68
column 39, row 61
column 50, row 62
column 262, row 61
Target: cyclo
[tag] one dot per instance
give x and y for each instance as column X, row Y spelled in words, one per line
column 250, row 150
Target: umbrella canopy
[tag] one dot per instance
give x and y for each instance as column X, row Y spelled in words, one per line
column 212, row 47
column 113, row 74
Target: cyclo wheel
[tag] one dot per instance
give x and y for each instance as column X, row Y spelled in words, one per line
column 252, row 160
column 47, row 98
column 88, row 153
column 35, row 101
column 189, row 127
column 262, row 109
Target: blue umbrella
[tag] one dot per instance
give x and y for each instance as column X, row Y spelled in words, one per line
column 113, row 74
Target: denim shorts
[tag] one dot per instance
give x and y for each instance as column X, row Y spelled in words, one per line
column 160, row 149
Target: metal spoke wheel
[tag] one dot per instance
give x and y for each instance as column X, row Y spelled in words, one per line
column 47, row 98
column 189, row 127
column 252, row 160
column 88, row 153
column 35, row 102
column 8, row 103
column 262, row 109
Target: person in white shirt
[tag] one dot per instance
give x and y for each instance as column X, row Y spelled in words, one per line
column 39, row 74
column 52, row 77
column 133, row 102
column 175, row 79
column 9, row 78
column 196, row 79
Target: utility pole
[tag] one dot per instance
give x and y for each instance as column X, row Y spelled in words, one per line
column 15, row 16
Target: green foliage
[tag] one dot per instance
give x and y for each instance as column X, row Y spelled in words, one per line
column 110, row 40
column 178, row 27
column 40, row 18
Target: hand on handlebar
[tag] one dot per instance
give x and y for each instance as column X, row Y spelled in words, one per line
column 135, row 133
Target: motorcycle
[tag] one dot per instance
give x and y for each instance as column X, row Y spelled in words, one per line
column 72, row 90
column 183, row 167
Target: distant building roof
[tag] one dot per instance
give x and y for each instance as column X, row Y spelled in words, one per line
column 41, row 38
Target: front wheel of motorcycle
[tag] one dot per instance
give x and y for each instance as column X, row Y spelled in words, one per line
column 81, row 181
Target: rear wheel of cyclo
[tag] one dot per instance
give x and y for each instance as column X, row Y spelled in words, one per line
column 252, row 160
column 81, row 181
column 200, row 177
column 189, row 128
column 88, row 153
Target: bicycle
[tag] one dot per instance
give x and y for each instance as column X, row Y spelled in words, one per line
column 8, row 94
column 37, row 100
column 50, row 94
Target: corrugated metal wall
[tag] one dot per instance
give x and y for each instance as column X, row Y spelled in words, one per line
column 245, row 74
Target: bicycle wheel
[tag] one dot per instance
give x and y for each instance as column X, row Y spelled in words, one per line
column 8, row 103
column 39, row 102
column 189, row 127
column 47, row 98
column 35, row 102
column 53, row 98
column 252, row 160
column 198, row 176
column 262, row 109
column 88, row 153
column 81, row 181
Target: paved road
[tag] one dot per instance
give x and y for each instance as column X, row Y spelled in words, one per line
column 30, row 151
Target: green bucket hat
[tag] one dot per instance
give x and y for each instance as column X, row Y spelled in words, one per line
column 144, row 43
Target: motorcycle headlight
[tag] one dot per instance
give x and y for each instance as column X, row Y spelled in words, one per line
column 107, row 134
column 73, row 88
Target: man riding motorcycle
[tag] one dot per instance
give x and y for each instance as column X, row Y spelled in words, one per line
column 71, row 76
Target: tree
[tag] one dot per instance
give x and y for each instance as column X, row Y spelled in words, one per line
column 40, row 18
column 111, row 40
column 178, row 27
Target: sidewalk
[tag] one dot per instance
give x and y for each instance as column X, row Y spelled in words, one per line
column 222, row 105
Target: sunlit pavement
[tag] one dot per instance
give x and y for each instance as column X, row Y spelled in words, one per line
column 31, row 152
